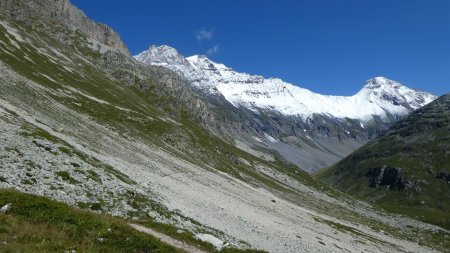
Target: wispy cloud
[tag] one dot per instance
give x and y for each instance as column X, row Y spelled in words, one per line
column 204, row 34
column 214, row 50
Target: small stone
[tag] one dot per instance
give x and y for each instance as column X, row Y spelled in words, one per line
column 76, row 165
column 6, row 208
column 422, row 202
column 180, row 231
column 101, row 239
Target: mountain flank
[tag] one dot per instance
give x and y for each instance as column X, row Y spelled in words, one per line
column 406, row 169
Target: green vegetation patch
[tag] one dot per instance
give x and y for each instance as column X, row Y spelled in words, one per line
column 64, row 175
column 94, row 176
column 37, row 224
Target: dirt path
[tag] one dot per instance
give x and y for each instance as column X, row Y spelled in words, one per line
column 167, row 239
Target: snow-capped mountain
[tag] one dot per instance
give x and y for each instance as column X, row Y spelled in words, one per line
column 379, row 97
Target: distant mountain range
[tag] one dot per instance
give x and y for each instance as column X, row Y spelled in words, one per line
column 329, row 126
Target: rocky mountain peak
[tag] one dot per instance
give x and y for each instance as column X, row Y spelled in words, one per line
column 161, row 55
column 380, row 82
column 60, row 16
column 389, row 93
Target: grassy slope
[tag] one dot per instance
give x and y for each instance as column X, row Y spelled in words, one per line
column 420, row 146
column 36, row 224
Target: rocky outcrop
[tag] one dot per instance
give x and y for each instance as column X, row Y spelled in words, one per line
column 394, row 179
column 387, row 176
column 62, row 16
column 444, row 176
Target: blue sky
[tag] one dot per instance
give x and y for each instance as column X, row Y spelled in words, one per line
column 327, row 46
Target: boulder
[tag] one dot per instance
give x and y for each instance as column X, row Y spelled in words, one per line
column 6, row 208
column 76, row 165
column 43, row 144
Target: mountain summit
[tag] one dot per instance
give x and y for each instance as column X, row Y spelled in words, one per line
column 380, row 97
column 162, row 55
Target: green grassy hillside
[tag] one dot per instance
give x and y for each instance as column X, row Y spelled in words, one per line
column 414, row 156
column 36, row 224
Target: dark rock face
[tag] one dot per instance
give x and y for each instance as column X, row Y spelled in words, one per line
column 63, row 16
column 387, row 176
column 444, row 176
column 394, row 179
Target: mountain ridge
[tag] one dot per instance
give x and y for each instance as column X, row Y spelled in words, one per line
column 386, row 97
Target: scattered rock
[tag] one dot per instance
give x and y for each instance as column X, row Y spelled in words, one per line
column 422, row 203
column 6, row 208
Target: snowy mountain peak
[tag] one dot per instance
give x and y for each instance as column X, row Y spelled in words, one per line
column 379, row 97
column 380, row 82
column 203, row 62
column 162, row 55
column 390, row 93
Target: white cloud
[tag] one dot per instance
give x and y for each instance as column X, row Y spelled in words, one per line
column 214, row 50
column 204, row 34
